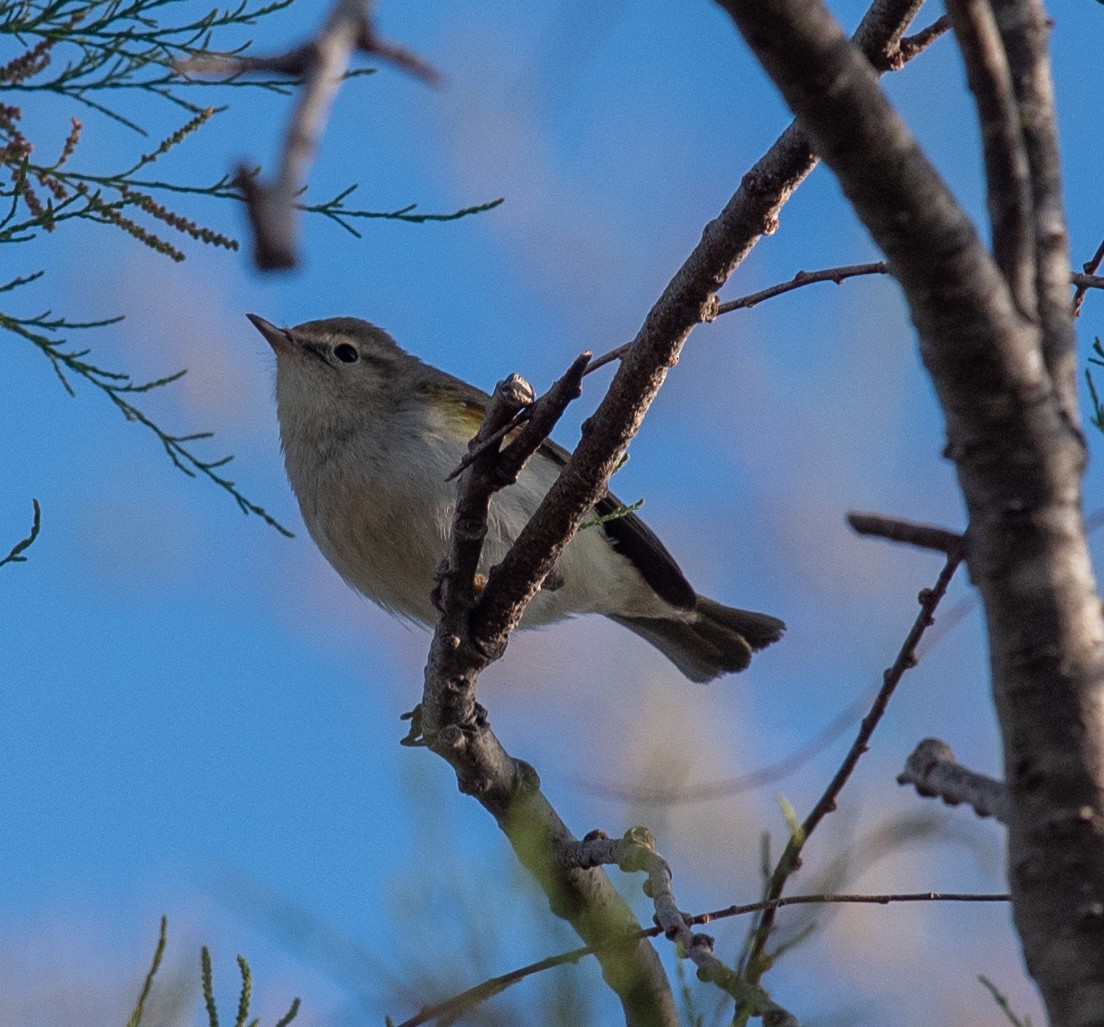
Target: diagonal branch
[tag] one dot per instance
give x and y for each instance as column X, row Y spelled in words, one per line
column 756, row 962
column 689, row 299
column 320, row 66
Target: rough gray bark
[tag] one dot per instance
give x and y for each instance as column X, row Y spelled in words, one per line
column 1004, row 377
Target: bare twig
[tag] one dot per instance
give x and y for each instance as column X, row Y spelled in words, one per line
column 1083, row 281
column 849, row 899
column 917, row 43
column 15, row 555
column 541, row 418
column 1089, row 267
column 492, row 440
column 451, row 1008
column 934, row 772
column 608, row 358
column 789, row 862
column 831, row 274
column 1002, row 1002
column 924, row 536
column 370, row 42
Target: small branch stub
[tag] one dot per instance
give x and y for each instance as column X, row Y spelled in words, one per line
column 933, row 771
column 923, row 536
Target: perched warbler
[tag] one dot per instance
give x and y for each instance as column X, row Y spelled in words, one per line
column 370, row 434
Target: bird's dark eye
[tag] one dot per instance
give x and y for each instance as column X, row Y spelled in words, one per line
column 346, row 354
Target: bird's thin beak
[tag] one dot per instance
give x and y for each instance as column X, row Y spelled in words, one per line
column 277, row 338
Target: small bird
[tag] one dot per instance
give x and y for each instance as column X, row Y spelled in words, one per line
column 370, row 433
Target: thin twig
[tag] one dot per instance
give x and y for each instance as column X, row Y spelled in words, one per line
column 452, row 1008
column 1089, row 267
column 371, row 43
column 607, row 358
column 543, row 416
column 1083, row 280
column 830, row 274
column 15, row 555
column 754, row 961
column 476, row 450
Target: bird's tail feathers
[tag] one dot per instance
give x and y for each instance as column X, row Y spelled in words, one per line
column 711, row 641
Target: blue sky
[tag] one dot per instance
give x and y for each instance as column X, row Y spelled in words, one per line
column 201, row 720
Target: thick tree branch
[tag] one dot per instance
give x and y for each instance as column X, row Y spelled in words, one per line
column 1005, row 384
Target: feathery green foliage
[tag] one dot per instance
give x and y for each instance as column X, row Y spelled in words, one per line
column 102, row 56
column 245, row 996
column 109, row 58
